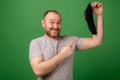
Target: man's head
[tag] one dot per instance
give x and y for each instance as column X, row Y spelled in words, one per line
column 52, row 23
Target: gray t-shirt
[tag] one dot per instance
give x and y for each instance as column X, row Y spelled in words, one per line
column 47, row 48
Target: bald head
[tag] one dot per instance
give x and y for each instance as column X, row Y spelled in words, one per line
column 51, row 11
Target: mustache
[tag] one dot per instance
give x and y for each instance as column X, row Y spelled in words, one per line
column 55, row 29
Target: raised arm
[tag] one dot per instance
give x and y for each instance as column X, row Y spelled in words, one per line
column 97, row 38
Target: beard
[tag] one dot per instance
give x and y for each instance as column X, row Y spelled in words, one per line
column 53, row 35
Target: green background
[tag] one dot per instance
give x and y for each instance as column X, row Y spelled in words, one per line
column 20, row 22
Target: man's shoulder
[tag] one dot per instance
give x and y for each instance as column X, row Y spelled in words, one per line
column 38, row 39
column 70, row 37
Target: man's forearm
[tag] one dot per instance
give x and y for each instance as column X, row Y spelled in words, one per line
column 47, row 66
column 99, row 28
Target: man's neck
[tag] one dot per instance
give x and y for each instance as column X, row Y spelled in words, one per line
column 57, row 38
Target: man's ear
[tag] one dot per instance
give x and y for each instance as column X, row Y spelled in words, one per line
column 43, row 23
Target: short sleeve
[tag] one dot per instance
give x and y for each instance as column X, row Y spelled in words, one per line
column 35, row 50
column 79, row 42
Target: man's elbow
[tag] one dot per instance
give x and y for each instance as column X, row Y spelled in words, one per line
column 39, row 73
column 99, row 43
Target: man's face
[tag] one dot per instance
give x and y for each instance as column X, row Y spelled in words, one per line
column 52, row 24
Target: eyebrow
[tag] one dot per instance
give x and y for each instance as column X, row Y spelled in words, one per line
column 53, row 20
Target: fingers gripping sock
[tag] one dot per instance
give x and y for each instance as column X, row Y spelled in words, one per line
column 88, row 14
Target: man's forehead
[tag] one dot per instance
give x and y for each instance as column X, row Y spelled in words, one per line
column 55, row 20
column 52, row 15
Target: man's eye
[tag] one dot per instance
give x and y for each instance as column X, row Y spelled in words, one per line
column 59, row 23
column 51, row 22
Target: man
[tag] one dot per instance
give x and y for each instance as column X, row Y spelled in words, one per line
column 51, row 56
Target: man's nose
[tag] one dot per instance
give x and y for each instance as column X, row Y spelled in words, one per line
column 55, row 25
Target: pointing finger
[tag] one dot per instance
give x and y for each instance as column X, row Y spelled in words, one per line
column 72, row 43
